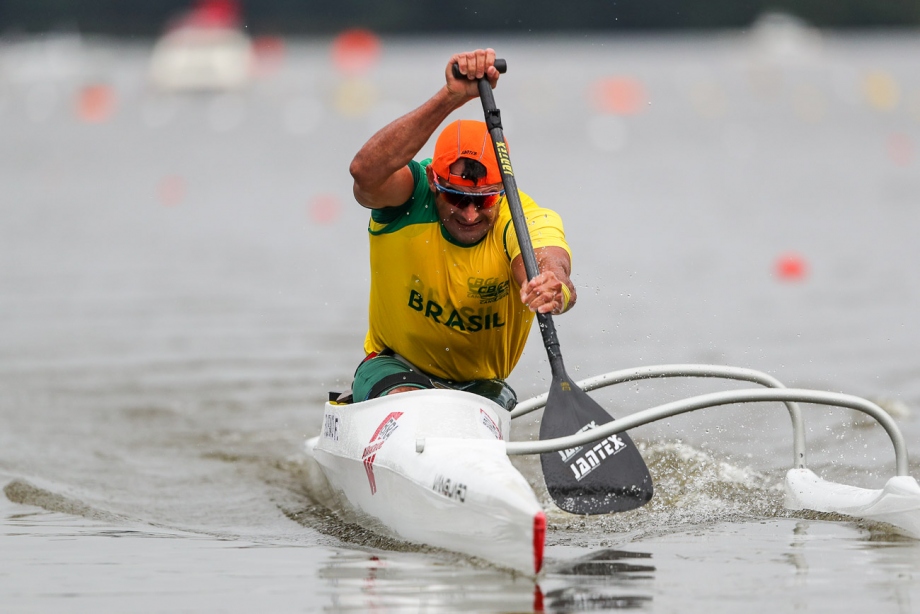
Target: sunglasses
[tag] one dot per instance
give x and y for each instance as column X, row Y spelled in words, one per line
column 458, row 199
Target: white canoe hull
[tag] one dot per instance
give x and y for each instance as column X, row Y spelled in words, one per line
column 460, row 494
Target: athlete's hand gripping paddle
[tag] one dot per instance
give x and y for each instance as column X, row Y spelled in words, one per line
column 606, row 476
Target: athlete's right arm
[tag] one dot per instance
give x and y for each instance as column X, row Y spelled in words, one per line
column 380, row 169
column 382, row 177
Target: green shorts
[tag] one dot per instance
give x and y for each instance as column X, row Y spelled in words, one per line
column 377, row 376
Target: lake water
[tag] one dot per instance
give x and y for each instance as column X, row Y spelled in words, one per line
column 184, row 277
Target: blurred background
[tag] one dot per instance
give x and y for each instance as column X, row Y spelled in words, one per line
column 183, row 269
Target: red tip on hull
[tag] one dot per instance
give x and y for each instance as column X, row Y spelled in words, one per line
column 539, row 538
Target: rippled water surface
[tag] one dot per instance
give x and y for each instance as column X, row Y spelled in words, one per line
column 183, row 278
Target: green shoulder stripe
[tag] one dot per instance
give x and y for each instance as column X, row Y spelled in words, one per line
column 505, row 238
column 419, row 209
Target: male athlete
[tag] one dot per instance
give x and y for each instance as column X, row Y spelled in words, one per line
column 450, row 304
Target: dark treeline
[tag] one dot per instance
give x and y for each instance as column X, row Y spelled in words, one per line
column 147, row 17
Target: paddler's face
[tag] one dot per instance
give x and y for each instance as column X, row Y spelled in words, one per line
column 466, row 219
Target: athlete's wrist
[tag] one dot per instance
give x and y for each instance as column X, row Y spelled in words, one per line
column 566, row 297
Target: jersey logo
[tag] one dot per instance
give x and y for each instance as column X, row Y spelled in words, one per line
column 487, row 290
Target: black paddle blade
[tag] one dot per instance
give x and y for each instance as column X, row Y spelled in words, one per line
column 597, row 478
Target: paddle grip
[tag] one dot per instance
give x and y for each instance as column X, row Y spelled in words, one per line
column 500, row 65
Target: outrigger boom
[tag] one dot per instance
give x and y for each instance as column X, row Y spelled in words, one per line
column 789, row 396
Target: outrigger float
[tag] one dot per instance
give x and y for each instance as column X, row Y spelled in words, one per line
column 432, row 467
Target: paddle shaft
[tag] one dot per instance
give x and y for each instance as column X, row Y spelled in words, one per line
column 494, row 124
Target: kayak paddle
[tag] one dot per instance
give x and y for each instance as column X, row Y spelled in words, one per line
column 598, row 478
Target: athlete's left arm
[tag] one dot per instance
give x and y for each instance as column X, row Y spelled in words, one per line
column 544, row 292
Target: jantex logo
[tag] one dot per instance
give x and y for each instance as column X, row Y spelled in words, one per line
column 504, row 159
column 591, row 459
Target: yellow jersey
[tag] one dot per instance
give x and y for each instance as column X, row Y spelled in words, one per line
column 452, row 310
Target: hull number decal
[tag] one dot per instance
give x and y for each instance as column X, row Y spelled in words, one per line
column 379, row 437
column 489, row 423
column 587, row 462
column 331, row 427
column 450, row 489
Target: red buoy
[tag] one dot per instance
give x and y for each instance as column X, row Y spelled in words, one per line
column 354, row 52
column 95, row 103
column 325, row 208
column 791, row 267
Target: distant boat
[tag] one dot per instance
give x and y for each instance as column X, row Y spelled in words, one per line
column 203, row 50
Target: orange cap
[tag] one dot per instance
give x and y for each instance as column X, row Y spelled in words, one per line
column 465, row 138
